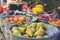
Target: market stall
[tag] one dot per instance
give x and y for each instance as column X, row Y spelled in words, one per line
column 20, row 20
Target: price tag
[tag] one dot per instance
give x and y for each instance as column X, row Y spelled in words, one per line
column 52, row 31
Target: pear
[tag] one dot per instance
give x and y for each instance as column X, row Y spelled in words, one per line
column 33, row 25
column 39, row 32
column 17, row 33
column 40, row 25
column 22, row 29
column 24, row 25
column 33, row 29
column 14, row 28
column 29, row 32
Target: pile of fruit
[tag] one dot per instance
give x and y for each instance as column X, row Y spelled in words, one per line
column 38, row 9
column 17, row 19
column 54, row 22
column 33, row 30
column 45, row 16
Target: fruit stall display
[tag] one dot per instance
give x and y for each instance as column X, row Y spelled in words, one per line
column 35, row 30
column 26, row 28
column 31, row 31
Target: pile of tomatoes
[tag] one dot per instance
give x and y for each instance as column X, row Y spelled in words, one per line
column 17, row 19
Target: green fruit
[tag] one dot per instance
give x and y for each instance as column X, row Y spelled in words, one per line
column 40, row 25
column 24, row 25
column 33, row 29
column 39, row 32
column 33, row 25
column 21, row 29
column 14, row 28
column 17, row 33
column 29, row 32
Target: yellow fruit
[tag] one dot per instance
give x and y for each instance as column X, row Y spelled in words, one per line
column 29, row 32
column 17, row 33
column 21, row 29
column 40, row 25
column 37, row 9
column 14, row 28
column 40, row 6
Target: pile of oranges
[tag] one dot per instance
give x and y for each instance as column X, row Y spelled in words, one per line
column 57, row 23
column 17, row 19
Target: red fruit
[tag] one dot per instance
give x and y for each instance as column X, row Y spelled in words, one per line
column 46, row 16
column 49, row 16
column 1, row 8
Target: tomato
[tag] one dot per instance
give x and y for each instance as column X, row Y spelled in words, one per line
column 16, row 19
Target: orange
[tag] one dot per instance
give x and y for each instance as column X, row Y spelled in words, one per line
column 16, row 19
column 22, row 19
column 11, row 19
column 7, row 19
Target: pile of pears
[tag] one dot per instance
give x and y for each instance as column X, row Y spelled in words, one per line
column 33, row 30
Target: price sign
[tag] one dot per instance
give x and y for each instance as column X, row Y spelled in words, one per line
column 52, row 31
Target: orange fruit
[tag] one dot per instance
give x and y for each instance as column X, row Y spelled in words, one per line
column 11, row 19
column 7, row 19
column 22, row 19
column 16, row 19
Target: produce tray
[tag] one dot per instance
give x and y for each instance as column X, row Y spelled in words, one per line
column 54, row 37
